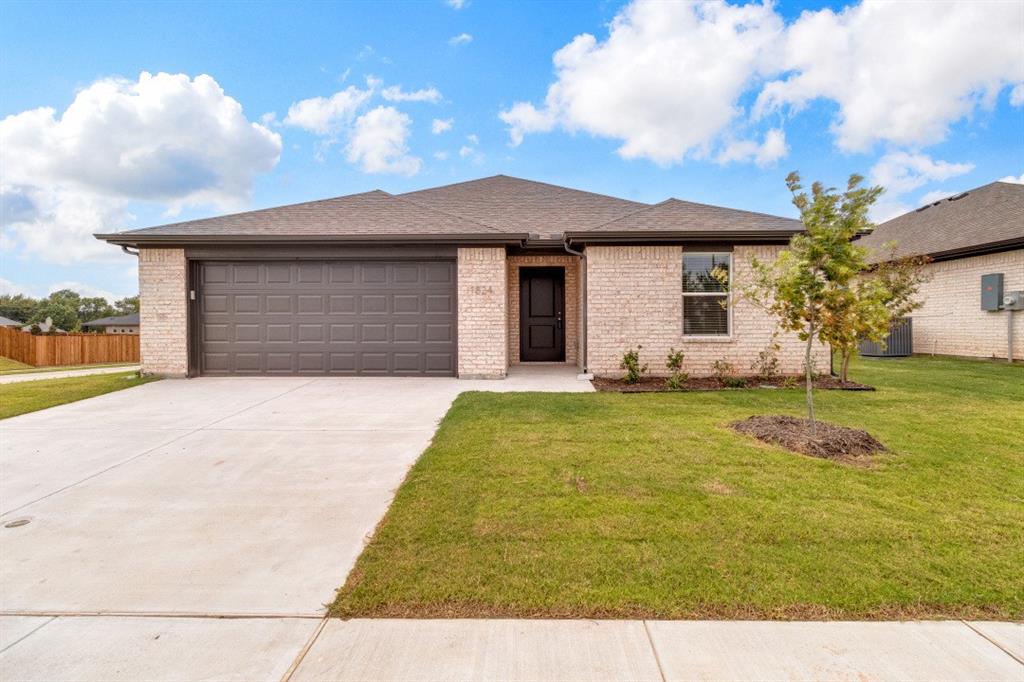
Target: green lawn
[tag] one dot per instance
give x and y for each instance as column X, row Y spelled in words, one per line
column 8, row 366
column 647, row 505
column 29, row 396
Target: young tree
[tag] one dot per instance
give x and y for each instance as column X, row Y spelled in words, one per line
column 810, row 282
column 874, row 302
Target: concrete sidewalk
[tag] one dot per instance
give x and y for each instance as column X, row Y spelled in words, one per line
column 64, row 374
column 166, row 648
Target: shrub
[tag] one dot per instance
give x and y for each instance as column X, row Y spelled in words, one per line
column 721, row 369
column 674, row 363
column 734, row 382
column 789, row 382
column 767, row 363
column 631, row 363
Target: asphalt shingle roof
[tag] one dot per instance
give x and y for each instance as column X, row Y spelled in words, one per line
column 490, row 208
column 681, row 216
column 369, row 213
column 988, row 215
column 515, row 205
column 127, row 320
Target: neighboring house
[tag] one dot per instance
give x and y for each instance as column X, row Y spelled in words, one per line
column 463, row 280
column 45, row 327
column 8, row 322
column 123, row 324
column 968, row 235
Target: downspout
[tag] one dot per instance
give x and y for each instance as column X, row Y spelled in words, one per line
column 583, row 288
column 128, row 250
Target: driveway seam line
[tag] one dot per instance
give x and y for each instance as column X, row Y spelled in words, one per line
column 304, row 650
column 29, row 634
column 654, row 650
column 146, row 452
column 991, row 641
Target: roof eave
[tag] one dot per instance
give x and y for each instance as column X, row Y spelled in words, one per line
column 165, row 240
column 964, row 252
column 682, row 236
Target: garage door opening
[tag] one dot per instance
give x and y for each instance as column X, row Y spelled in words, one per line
column 345, row 318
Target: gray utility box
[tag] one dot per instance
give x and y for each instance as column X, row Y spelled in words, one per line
column 992, row 291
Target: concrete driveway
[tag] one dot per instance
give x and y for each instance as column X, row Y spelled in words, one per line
column 172, row 505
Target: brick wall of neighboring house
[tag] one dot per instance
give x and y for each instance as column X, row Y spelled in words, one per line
column 483, row 296
column 952, row 321
column 163, row 311
column 634, row 298
column 572, row 309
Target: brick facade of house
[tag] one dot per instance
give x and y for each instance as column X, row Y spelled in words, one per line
column 163, row 312
column 634, row 298
column 951, row 322
column 572, row 301
column 483, row 297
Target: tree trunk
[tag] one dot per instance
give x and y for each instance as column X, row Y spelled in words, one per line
column 809, row 378
column 845, row 367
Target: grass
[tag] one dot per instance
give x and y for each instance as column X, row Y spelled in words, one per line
column 648, row 505
column 29, row 396
column 8, row 366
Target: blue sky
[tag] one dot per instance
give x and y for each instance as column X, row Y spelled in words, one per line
column 705, row 102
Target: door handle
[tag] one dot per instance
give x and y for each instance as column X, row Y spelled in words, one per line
column 558, row 321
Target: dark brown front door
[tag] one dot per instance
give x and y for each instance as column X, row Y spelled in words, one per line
column 542, row 314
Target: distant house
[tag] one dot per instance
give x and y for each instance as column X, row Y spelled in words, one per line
column 44, row 327
column 968, row 236
column 124, row 324
column 8, row 322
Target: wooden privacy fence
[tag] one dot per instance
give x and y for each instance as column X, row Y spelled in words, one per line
column 68, row 349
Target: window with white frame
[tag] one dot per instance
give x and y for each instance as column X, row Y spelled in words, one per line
column 705, row 295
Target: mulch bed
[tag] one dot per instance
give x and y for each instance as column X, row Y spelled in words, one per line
column 831, row 441
column 657, row 384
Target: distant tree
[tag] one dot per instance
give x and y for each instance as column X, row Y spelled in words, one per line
column 63, row 314
column 17, row 307
column 127, row 305
column 93, row 308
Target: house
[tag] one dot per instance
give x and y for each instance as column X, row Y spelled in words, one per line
column 8, row 322
column 460, row 280
column 122, row 324
column 44, row 327
column 967, row 236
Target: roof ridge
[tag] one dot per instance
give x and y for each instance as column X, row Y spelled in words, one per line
column 526, row 180
column 729, row 208
column 650, row 207
column 646, row 207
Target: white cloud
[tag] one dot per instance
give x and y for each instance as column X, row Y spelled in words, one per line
column 665, row 82
column 460, row 39
column 932, row 197
column 473, row 138
column 465, row 151
column 326, row 115
column 1017, row 95
column 441, row 156
column 165, row 138
column 1016, row 179
column 901, row 72
column 901, row 172
column 394, row 93
column 9, row 288
column 379, row 143
column 441, row 125
column 86, row 290
column 456, row 4
column 671, row 79
column 765, row 154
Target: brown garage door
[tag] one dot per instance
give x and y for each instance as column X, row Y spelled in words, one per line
column 330, row 317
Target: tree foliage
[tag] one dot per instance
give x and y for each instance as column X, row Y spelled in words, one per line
column 811, row 286
column 68, row 309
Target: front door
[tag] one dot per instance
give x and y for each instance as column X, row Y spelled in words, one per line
column 542, row 314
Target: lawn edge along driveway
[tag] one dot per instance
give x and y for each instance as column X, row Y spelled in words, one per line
column 30, row 396
column 649, row 506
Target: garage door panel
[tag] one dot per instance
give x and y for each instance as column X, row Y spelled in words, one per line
column 346, row 317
